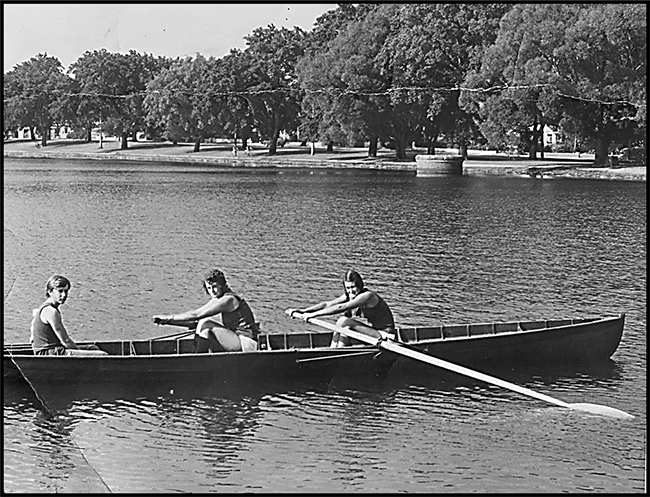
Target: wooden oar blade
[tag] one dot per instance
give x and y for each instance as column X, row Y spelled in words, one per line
column 601, row 410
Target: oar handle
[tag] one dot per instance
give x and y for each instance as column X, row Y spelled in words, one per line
column 175, row 335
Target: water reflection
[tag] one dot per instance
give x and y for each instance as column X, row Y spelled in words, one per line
column 50, row 458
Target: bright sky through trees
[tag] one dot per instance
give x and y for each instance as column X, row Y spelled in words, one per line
column 66, row 31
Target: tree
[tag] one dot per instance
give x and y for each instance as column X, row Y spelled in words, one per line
column 319, row 118
column 31, row 92
column 272, row 89
column 230, row 88
column 330, row 24
column 432, row 49
column 347, row 92
column 87, row 102
column 395, row 72
column 578, row 65
column 180, row 100
column 602, row 69
column 14, row 108
column 112, row 89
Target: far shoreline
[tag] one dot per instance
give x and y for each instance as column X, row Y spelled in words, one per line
column 293, row 155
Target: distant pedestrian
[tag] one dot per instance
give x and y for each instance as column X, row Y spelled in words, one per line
column 234, row 150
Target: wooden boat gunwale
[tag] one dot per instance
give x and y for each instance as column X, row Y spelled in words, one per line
column 308, row 349
column 518, row 332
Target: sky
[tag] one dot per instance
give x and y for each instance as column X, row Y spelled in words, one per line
column 66, row 31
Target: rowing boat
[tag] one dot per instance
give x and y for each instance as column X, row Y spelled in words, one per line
column 576, row 342
column 307, row 356
column 404, row 350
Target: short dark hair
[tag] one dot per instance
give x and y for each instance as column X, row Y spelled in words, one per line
column 215, row 276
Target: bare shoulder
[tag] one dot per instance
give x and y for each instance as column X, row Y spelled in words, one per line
column 48, row 312
column 228, row 302
column 371, row 298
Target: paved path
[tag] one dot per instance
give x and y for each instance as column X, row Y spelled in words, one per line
column 478, row 163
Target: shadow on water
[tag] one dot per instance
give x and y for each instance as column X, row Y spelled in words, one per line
column 218, row 415
column 17, row 394
column 409, row 374
column 59, row 398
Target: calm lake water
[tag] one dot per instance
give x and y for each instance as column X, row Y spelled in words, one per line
column 135, row 240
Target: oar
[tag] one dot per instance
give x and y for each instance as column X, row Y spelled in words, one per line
column 191, row 324
column 176, row 335
column 413, row 354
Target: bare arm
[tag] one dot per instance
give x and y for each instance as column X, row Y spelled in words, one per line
column 340, row 305
column 52, row 317
column 189, row 318
column 319, row 306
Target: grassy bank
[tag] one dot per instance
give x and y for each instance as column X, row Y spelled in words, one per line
column 294, row 155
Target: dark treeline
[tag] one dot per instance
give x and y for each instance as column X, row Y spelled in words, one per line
column 480, row 74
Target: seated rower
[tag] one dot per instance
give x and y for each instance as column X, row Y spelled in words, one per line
column 48, row 334
column 238, row 330
column 365, row 311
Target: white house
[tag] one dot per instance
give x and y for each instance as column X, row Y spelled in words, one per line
column 551, row 136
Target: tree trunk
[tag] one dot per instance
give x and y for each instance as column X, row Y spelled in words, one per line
column 603, row 139
column 89, row 133
column 273, row 145
column 197, row 144
column 602, row 149
column 45, row 133
column 532, row 143
column 431, row 147
column 400, row 147
column 462, row 150
column 125, row 140
column 330, row 146
column 372, row 147
column 134, row 137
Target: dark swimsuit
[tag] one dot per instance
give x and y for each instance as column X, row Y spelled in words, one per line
column 44, row 340
column 380, row 317
column 241, row 320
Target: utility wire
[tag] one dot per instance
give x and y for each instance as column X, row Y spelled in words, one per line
column 336, row 92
